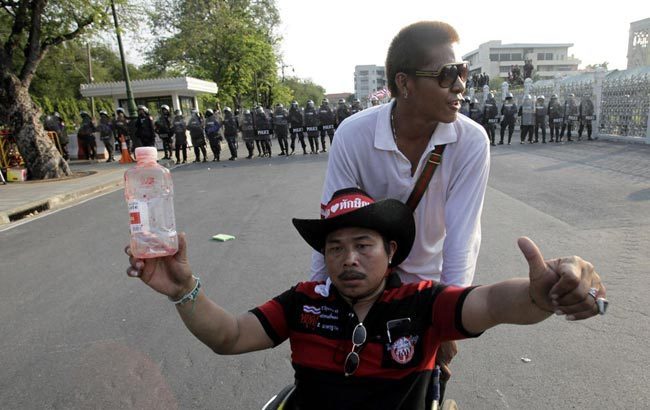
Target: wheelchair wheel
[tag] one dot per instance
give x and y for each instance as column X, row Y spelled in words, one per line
column 282, row 400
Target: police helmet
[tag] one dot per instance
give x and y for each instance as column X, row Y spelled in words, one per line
column 467, row 99
column 143, row 108
column 373, row 98
column 178, row 112
column 572, row 95
column 325, row 101
column 247, row 112
column 491, row 96
column 84, row 114
column 294, row 103
column 279, row 105
column 341, row 101
column 118, row 109
column 259, row 109
column 554, row 97
column 164, row 107
column 227, row 109
column 509, row 96
column 194, row 111
column 57, row 115
column 541, row 97
column 357, row 101
column 209, row 112
column 103, row 112
column 475, row 100
column 310, row 103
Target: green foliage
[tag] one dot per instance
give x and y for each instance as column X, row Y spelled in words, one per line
column 304, row 90
column 231, row 42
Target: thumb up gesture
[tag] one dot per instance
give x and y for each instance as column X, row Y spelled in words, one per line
column 565, row 286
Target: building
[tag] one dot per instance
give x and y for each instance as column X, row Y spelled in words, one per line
column 496, row 59
column 178, row 93
column 368, row 79
column 638, row 49
column 334, row 98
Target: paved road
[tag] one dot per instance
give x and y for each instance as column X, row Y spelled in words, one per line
column 77, row 333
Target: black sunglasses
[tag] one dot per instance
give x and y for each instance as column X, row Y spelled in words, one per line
column 352, row 360
column 447, row 74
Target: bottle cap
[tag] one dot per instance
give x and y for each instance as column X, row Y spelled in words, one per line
column 146, row 154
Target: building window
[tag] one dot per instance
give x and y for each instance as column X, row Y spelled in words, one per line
column 364, row 72
column 541, row 56
column 187, row 105
column 549, row 56
column 494, row 57
column 516, row 57
column 504, row 68
column 504, row 57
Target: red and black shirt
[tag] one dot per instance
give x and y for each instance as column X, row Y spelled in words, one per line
column 405, row 327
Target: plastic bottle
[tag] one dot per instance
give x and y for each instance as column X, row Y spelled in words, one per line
column 149, row 194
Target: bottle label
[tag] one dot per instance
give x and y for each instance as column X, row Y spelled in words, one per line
column 138, row 216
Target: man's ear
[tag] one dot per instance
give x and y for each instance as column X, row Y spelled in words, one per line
column 393, row 249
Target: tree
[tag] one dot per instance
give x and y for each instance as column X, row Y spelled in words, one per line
column 304, row 90
column 231, row 42
column 30, row 29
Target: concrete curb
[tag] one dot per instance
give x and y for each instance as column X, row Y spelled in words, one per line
column 57, row 201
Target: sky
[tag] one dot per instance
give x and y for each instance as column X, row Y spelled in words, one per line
column 324, row 40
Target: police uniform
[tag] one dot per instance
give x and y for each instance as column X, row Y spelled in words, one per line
column 296, row 120
column 311, row 126
column 327, row 121
column 212, row 127
column 508, row 118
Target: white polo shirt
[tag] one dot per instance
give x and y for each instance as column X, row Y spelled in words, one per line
column 448, row 228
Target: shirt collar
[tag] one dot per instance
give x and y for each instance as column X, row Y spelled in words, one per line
column 445, row 133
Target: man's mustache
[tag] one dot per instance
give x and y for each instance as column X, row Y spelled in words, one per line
column 351, row 274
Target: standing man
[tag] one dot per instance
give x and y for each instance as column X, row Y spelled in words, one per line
column 342, row 112
column 356, row 106
column 212, row 127
column 230, row 129
column 385, row 151
column 586, row 111
column 540, row 118
column 106, row 134
column 464, row 106
column 296, row 119
column 86, row 135
column 508, row 117
column 527, row 114
column 475, row 112
column 180, row 136
column 248, row 132
column 281, row 128
column 554, row 111
column 195, row 125
column 263, row 128
column 54, row 123
column 144, row 128
column 570, row 115
column 327, row 122
column 311, row 126
column 164, row 130
column 490, row 117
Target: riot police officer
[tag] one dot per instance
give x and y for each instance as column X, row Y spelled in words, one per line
column 586, row 112
column 570, row 116
column 490, row 117
column 342, row 112
column 164, row 130
column 86, row 135
column 540, row 118
column 311, row 126
column 106, row 134
column 527, row 114
column 508, row 117
column 180, row 136
column 327, row 121
column 374, row 101
column 248, row 132
column 230, row 130
column 195, row 126
column 475, row 112
column 554, row 111
column 297, row 127
column 212, row 127
column 54, row 123
column 464, row 106
column 356, row 106
column 281, row 128
column 263, row 128
column 144, row 127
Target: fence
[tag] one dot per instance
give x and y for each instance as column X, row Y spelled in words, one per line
column 621, row 99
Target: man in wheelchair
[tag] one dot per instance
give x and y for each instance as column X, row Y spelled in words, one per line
column 362, row 339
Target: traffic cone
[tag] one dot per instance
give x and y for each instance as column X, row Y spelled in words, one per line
column 126, row 156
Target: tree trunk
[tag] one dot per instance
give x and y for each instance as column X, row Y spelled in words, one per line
column 42, row 159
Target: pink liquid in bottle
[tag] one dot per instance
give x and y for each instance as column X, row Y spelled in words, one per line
column 149, row 194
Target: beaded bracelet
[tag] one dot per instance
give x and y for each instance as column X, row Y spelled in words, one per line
column 191, row 296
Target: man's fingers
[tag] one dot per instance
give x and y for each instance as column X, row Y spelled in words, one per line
column 534, row 257
column 181, row 255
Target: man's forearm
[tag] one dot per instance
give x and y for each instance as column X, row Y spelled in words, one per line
column 210, row 323
column 510, row 302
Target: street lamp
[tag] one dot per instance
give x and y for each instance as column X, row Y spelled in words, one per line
column 129, row 95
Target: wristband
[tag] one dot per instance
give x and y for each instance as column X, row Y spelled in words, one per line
column 191, row 296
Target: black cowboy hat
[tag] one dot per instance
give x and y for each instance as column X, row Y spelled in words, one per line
column 352, row 207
